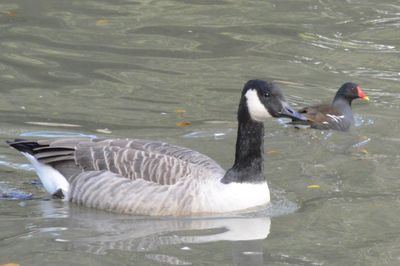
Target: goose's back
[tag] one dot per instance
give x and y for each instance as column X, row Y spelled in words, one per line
column 153, row 161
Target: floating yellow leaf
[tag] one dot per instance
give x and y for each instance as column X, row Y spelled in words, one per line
column 104, row 130
column 10, row 13
column 364, row 151
column 180, row 111
column 102, row 22
column 272, row 152
column 183, row 124
column 307, row 36
column 313, row 186
column 10, row 264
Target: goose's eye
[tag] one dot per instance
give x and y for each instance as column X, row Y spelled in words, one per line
column 266, row 94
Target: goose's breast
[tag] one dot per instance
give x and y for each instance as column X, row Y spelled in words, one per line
column 235, row 196
column 212, row 196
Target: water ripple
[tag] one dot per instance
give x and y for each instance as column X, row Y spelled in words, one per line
column 8, row 193
column 56, row 134
column 393, row 75
column 325, row 42
column 18, row 166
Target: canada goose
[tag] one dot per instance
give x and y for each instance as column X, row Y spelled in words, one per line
column 135, row 176
column 336, row 116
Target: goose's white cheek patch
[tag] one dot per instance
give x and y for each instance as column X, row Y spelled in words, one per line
column 257, row 110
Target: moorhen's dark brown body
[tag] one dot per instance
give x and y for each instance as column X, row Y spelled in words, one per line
column 336, row 116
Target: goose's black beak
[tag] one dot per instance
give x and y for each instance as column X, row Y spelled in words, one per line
column 288, row 111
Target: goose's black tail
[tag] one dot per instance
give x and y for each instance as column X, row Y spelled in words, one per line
column 24, row 145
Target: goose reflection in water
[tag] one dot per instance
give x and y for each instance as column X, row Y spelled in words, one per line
column 99, row 233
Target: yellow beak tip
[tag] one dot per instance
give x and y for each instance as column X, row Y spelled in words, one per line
column 365, row 98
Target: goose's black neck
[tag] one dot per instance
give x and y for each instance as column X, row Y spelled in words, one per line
column 248, row 165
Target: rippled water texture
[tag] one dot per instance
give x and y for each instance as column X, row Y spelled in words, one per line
column 173, row 70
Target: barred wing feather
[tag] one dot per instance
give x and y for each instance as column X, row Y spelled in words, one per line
column 154, row 161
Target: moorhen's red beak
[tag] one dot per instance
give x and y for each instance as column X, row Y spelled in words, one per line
column 361, row 94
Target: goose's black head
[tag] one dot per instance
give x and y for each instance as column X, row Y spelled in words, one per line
column 351, row 91
column 262, row 99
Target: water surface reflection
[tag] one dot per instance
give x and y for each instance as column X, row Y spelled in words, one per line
column 100, row 233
